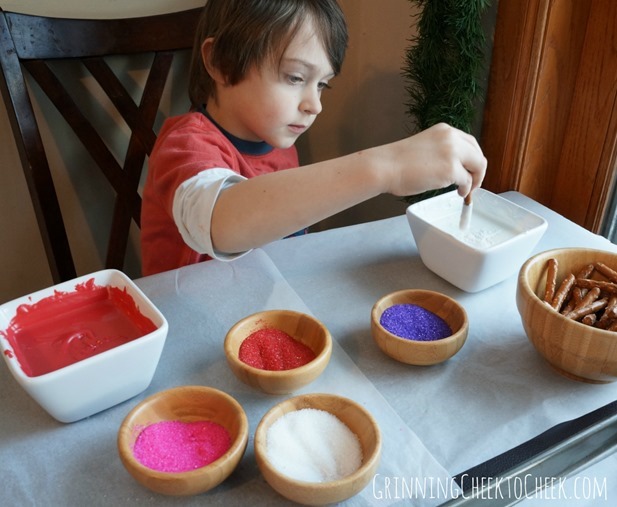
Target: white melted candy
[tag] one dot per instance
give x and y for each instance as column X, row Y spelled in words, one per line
column 492, row 221
column 483, row 232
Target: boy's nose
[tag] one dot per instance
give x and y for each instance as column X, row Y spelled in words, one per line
column 311, row 102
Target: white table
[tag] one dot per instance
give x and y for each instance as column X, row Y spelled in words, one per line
column 437, row 421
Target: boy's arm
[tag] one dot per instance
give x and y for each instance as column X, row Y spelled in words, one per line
column 268, row 207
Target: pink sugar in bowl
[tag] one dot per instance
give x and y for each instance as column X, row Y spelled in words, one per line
column 183, row 441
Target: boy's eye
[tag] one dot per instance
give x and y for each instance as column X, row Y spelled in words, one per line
column 295, row 79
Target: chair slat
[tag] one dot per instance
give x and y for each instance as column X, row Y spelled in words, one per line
column 79, row 122
column 34, row 160
column 135, row 157
column 39, row 37
column 121, row 99
column 27, row 44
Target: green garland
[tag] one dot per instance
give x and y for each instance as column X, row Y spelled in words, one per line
column 443, row 65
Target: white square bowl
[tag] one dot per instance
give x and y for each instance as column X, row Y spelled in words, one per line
column 499, row 239
column 94, row 383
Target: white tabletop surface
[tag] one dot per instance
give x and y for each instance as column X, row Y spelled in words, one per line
column 436, row 421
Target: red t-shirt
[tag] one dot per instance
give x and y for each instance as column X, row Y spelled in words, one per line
column 187, row 145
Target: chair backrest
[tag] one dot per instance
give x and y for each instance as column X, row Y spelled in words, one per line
column 28, row 45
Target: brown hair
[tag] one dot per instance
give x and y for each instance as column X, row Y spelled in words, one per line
column 247, row 32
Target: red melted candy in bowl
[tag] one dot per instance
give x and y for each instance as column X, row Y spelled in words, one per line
column 68, row 327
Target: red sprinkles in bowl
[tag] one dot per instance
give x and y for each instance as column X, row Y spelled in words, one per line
column 273, row 349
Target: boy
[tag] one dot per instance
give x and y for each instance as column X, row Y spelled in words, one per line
column 224, row 178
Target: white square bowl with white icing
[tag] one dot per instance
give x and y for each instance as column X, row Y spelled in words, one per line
column 499, row 238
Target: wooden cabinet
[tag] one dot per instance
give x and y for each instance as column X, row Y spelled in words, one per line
column 550, row 120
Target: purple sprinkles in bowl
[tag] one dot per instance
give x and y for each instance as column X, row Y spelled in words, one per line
column 414, row 322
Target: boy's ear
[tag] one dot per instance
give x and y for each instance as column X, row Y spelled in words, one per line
column 206, row 52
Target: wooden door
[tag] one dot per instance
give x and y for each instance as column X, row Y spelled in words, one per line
column 550, row 121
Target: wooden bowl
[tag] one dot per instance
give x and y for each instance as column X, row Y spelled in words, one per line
column 357, row 419
column 187, row 404
column 300, row 326
column 417, row 352
column 575, row 350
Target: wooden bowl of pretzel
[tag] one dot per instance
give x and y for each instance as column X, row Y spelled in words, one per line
column 567, row 299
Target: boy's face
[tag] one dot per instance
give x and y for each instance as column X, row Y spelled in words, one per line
column 276, row 103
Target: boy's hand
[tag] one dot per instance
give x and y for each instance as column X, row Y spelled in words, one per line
column 436, row 158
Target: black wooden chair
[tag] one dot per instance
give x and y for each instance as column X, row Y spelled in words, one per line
column 30, row 45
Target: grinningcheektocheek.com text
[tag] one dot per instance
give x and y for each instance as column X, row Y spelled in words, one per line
column 528, row 486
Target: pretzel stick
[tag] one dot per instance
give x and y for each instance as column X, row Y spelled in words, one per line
column 608, row 315
column 604, row 324
column 611, row 308
column 551, row 280
column 569, row 307
column 576, row 296
column 589, row 319
column 589, row 298
column 562, row 292
column 598, row 304
column 586, row 271
column 607, row 287
column 578, row 292
column 606, row 271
